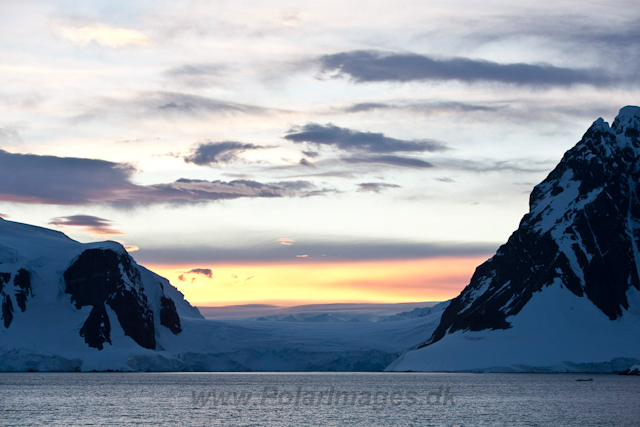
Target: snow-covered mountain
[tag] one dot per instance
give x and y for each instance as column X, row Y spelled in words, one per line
column 68, row 306
column 563, row 294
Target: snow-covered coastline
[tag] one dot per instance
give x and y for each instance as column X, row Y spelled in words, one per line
column 47, row 326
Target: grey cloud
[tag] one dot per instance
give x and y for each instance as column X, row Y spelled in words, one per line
column 375, row 187
column 28, row 178
column 23, row 101
column 445, row 179
column 204, row 271
column 166, row 105
column 196, row 70
column 198, row 75
column 190, row 191
column 520, row 111
column 330, row 174
column 305, row 162
column 317, row 251
column 368, row 106
column 181, row 103
column 296, row 185
column 237, row 175
column 575, row 28
column 311, row 154
column 390, row 160
column 613, row 43
column 320, row 192
column 490, row 165
column 213, row 153
column 9, row 135
column 428, row 108
column 90, row 223
column 374, row 66
column 304, row 188
column 352, row 140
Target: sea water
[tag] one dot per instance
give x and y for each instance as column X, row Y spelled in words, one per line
column 317, row 399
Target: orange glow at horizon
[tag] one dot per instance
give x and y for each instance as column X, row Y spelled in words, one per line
column 306, row 281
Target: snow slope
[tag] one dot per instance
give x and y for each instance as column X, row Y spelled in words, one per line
column 554, row 332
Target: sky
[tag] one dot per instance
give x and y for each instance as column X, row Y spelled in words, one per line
column 286, row 153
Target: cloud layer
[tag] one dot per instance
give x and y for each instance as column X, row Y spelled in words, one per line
column 28, row 178
column 286, row 250
column 363, row 66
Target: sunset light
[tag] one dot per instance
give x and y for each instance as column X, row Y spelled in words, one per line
column 305, row 282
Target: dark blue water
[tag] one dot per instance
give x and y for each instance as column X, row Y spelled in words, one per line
column 343, row 399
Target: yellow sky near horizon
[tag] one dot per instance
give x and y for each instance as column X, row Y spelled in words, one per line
column 307, row 281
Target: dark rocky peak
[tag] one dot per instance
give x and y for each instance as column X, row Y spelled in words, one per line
column 582, row 232
column 103, row 278
column 100, row 277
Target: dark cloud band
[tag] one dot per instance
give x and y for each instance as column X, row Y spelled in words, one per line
column 90, row 223
column 352, row 140
column 399, row 161
column 28, row 178
column 374, row 66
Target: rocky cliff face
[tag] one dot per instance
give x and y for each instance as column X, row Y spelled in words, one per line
column 18, row 285
column 582, row 231
column 102, row 276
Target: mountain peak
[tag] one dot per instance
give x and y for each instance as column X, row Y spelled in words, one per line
column 629, row 111
column 600, row 125
column 582, row 232
column 628, row 122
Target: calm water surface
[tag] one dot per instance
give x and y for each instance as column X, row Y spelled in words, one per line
column 322, row 399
